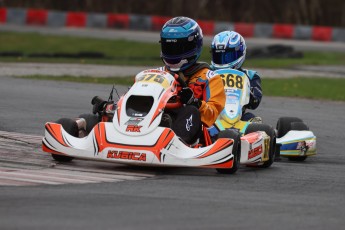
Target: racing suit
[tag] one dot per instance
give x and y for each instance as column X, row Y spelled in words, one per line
column 209, row 92
column 255, row 93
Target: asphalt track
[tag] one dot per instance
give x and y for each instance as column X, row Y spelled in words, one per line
column 307, row 195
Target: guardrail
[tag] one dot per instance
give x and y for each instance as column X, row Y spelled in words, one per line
column 52, row 18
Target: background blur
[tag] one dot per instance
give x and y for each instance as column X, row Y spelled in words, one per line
column 303, row 12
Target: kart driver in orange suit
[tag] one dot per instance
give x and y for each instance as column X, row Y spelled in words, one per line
column 181, row 41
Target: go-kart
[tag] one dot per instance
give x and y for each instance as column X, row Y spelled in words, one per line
column 258, row 141
column 131, row 131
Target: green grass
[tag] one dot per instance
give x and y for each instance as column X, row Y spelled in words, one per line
column 123, row 52
column 312, row 88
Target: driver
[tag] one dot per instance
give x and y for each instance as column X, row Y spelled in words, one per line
column 181, row 41
column 229, row 51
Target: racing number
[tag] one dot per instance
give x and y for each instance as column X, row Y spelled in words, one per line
column 156, row 77
column 231, row 81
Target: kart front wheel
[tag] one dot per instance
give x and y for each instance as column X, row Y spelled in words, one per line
column 236, row 150
column 284, row 125
column 254, row 127
column 70, row 126
column 91, row 121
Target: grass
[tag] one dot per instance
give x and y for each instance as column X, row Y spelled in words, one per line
column 123, row 52
column 301, row 87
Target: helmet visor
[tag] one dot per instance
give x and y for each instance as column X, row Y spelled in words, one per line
column 225, row 56
column 177, row 48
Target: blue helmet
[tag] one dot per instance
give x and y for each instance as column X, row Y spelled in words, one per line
column 228, row 50
column 181, row 43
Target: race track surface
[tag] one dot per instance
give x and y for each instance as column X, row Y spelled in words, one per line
column 306, row 195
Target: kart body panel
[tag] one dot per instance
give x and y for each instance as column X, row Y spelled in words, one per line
column 296, row 143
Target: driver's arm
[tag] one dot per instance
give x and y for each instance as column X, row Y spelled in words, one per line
column 214, row 101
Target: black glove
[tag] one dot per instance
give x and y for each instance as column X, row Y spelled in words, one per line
column 252, row 100
column 187, row 97
column 98, row 104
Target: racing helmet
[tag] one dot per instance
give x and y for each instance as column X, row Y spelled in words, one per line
column 228, row 50
column 181, row 43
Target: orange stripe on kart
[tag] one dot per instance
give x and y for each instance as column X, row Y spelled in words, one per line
column 251, row 137
column 56, row 132
column 163, row 101
column 119, row 107
column 165, row 138
column 221, row 144
column 49, row 150
column 228, row 164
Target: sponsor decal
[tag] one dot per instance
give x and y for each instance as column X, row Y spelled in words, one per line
column 255, row 152
column 134, row 121
column 133, row 128
column 189, row 123
column 134, row 156
column 303, row 146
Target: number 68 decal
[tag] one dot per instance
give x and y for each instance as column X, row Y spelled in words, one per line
column 232, row 81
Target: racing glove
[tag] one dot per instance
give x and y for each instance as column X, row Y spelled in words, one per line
column 187, row 97
column 253, row 101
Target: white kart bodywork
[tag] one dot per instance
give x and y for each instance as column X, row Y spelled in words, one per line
column 135, row 137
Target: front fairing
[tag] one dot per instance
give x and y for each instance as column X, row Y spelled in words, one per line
column 140, row 110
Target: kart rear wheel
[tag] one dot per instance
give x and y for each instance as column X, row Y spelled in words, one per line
column 91, row 121
column 298, row 126
column 236, row 151
column 284, row 125
column 70, row 126
column 254, row 127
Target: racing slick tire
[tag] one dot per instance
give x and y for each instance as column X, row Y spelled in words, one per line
column 236, row 151
column 284, row 125
column 91, row 121
column 70, row 126
column 298, row 126
column 254, row 127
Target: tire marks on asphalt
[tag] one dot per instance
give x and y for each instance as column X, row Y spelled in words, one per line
column 22, row 163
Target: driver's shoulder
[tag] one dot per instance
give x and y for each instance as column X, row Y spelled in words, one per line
column 250, row 73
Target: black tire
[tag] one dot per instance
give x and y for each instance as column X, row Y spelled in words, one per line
column 298, row 126
column 236, row 151
column 253, row 127
column 70, row 126
column 91, row 121
column 284, row 125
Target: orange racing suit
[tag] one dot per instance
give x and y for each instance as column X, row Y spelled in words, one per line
column 206, row 87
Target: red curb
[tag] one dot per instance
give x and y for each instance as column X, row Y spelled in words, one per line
column 283, row 30
column 76, row 19
column 207, row 27
column 322, row 33
column 157, row 22
column 36, row 17
column 245, row 29
column 3, row 13
column 118, row 21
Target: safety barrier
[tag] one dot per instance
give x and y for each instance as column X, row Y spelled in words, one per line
column 52, row 18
